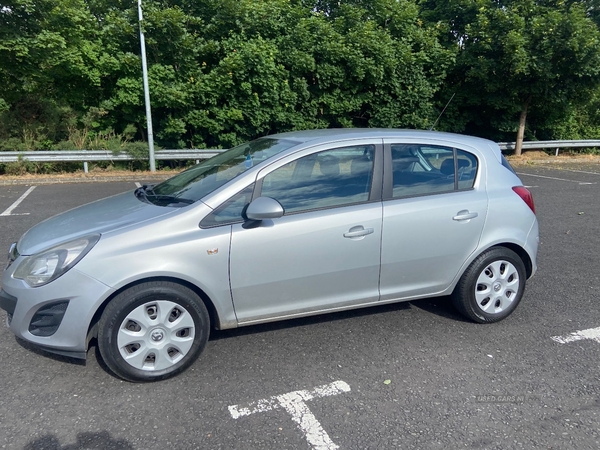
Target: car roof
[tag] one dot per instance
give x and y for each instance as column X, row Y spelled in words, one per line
column 333, row 134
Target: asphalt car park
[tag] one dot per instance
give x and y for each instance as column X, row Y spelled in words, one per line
column 409, row 375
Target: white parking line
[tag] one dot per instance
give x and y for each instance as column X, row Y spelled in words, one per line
column 554, row 178
column 581, row 171
column 295, row 404
column 10, row 209
column 590, row 333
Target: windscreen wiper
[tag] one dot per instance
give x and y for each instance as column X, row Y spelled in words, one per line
column 145, row 192
column 170, row 198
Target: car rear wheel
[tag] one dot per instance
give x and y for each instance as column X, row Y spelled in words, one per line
column 491, row 287
column 153, row 331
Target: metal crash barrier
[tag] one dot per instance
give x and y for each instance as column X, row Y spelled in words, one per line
column 86, row 156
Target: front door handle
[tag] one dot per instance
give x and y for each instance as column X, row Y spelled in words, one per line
column 358, row 231
column 464, row 215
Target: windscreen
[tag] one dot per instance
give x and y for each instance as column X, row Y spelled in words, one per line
column 209, row 175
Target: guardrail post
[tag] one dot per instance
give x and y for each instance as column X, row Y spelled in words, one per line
column 85, row 167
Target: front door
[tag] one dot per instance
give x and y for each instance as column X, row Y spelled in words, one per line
column 324, row 253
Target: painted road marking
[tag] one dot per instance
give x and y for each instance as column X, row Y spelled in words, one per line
column 295, row 404
column 554, row 178
column 590, row 333
column 581, row 171
column 138, row 184
column 10, row 209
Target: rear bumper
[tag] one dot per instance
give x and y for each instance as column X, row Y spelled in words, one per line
column 531, row 246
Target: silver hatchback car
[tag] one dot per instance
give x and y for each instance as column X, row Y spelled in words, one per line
column 289, row 225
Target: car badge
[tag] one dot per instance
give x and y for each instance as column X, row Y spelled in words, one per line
column 212, row 251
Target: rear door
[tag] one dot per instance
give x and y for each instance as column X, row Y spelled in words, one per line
column 434, row 209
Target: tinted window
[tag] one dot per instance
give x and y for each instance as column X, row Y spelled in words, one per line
column 428, row 169
column 213, row 173
column 467, row 169
column 322, row 180
column 230, row 211
column 422, row 170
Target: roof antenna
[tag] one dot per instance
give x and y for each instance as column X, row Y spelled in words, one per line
column 436, row 120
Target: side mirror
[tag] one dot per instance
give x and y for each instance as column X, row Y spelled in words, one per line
column 264, row 208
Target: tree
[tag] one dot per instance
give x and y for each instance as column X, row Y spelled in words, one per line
column 517, row 54
column 273, row 65
column 220, row 71
column 48, row 55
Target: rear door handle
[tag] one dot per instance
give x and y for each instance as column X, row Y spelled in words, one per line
column 358, row 231
column 464, row 215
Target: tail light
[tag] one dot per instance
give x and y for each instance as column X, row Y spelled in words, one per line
column 525, row 195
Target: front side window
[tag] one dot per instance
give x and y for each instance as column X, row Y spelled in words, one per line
column 322, row 180
column 230, row 211
column 211, row 174
column 429, row 169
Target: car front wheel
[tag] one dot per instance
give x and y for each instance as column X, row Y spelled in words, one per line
column 153, row 331
column 491, row 287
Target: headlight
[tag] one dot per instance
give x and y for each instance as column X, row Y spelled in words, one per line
column 40, row 269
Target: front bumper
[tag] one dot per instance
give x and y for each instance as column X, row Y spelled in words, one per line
column 8, row 303
column 82, row 295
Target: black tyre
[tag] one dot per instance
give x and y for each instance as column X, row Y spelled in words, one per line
column 491, row 287
column 153, row 331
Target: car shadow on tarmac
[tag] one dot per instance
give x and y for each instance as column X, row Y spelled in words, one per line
column 87, row 441
column 437, row 306
column 440, row 306
column 40, row 351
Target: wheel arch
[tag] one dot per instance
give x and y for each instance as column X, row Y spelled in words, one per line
column 516, row 248
column 212, row 311
column 521, row 253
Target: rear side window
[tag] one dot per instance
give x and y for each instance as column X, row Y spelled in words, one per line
column 428, row 169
